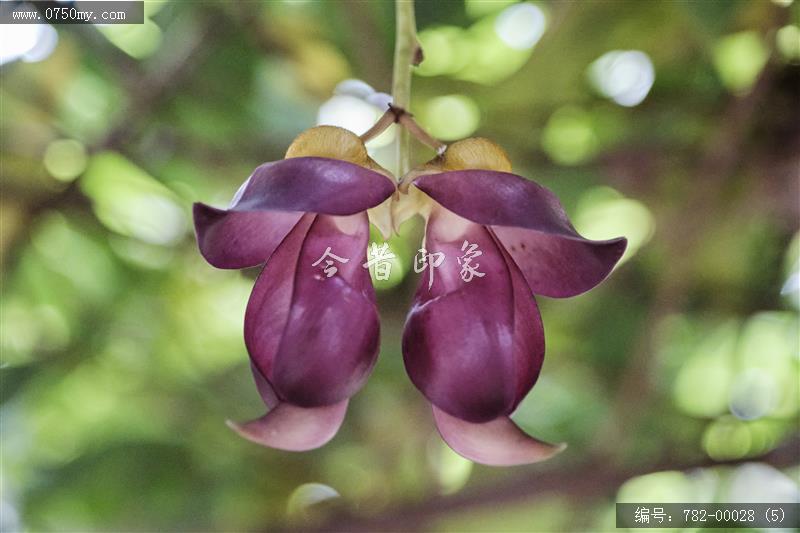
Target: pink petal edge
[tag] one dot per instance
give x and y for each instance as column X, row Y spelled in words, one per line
column 499, row 442
column 291, row 428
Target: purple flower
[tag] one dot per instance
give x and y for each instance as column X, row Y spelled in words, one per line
column 473, row 342
column 311, row 325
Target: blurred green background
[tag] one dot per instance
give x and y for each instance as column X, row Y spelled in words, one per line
column 676, row 124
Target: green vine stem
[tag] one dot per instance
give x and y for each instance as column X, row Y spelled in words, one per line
column 406, row 55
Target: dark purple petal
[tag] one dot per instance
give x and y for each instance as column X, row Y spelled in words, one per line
column 528, row 332
column 292, row 428
column 464, row 345
column 499, row 442
column 532, row 225
column 315, row 338
column 273, row 199
column 240, row 239
column 560, row 267
column 313, row 185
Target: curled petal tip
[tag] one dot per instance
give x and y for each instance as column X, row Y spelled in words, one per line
column 236, row 426
column 291, row 428
column 499, row 442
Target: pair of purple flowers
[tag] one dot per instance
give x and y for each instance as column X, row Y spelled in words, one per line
column 473, row 349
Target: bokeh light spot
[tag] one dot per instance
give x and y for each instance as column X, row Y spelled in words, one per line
column 788, row 42
column 520, row 26
column 210, row 341
column 44, row 46
column 29, row 42
column 739, row 59
column 129, row 201
column 355, row 113
column 769, row 344
column 451, row 117
column 452, row 471
column 791, row 287
column 354, row 87
column 624, row 76
column 759, row 482
column 320, row 65
column 753, row 394
column 380, row 100
column 703, row 383
column 89, row 103
column 68, row 251
column 727, row 438
column 65, row 159
column 569, row 137
column 604, row 213
column 490, row 59
column 137, row 40
column 349, row 112
column 307, row 495
column 665, row 487
column 447, row 50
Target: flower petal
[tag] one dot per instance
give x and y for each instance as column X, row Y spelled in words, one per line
column 499, row 442
column 460, row 346
column 532, row 225
column 560, row 267
column 315, row 338
column 240, row 239
column 314, row 185
column 265, row 390
column 272, row 200
column 292, row 428
column 528, row 332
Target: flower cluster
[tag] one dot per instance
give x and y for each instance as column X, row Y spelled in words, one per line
column 473, row 349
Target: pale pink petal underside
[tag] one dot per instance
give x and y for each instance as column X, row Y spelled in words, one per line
column 292, row 428
column 499, row 442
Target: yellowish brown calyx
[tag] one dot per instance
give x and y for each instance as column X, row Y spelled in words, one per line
column 334, row 142
column 475, row 154
column 470, row 154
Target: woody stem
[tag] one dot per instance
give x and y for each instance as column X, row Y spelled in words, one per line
column 406, row 54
